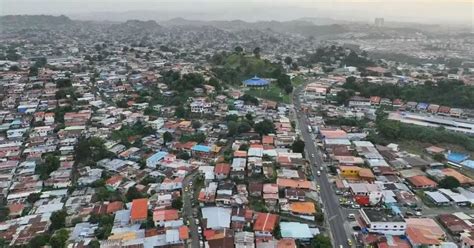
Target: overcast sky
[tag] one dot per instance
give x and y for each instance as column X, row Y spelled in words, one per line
column 432, row 11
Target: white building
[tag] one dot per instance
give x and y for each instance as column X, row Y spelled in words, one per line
column 383, row 222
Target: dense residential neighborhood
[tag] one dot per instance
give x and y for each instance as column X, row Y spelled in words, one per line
column 140, row 135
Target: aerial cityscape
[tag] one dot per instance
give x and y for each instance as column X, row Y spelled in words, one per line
column 185, row 128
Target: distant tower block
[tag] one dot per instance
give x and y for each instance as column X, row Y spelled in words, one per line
column 379, row 22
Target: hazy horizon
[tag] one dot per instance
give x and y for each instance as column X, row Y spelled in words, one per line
column 422, row 11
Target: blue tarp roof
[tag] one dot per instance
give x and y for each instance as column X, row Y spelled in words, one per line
column 422, row 105
column 256, row 81
column 457, row 157
column 201, row 148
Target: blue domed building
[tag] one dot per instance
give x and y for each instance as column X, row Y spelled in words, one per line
column 256, row 82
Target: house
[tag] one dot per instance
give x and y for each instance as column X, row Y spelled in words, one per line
column 366, row 194
column 421, row 182
column 296, row 231
column 424, row 232
column 382, row 222
column 221, row 171
column 357, row 173
column 139, row 211
column 264, row 224
column 437, row 198
column 359, row 102
column 305, row 210
column 160, row 217
column 216, row 218
column 153, row 160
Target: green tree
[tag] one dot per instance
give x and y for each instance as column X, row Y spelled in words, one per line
column 4, row 212
column 132, row 194
column 439, row 157
column 256, row 52
column 180, row 112
column 196, row 124
column 232, row 128
column 58, row 240
column 265, row 127
column 177, row 203
column 167, row 137
column 38, row 241
column 244, row 127
column 288, row 60
column 33, row 197
column 321, row 241
column 238, row 49
column 14, row 68
column 449, row 182
column 58, row 220
column 94, row 244
column 298, row 146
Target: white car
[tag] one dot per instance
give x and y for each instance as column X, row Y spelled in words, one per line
column 318, row 173
column 312, row 155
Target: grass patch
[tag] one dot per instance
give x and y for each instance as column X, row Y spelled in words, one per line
column 273, row 93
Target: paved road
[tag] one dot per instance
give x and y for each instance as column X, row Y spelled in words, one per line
column 188, row 209
column 327, row 194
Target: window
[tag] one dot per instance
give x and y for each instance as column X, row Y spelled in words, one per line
column 395, row 226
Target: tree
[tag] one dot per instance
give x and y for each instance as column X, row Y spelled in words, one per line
column 288, row 60
column 244, row 127
column 244, row 147
column 58, row 240
column 238, row 49
column 183, row 155
column 177, row 203
column 38, row 241
column 232, row 128
column 132, row 194
column 14, row 68
column 4, row 212
column 439, row 157
column 33, row 197
column 180, row 112
column 58, row 220
column 298, row 146
column 319, row 217
column 167, row 137
column 265, row 127
column 196, row 124
column 94, row 244
column 449, row 182
column 256, row 52
column 321, row 241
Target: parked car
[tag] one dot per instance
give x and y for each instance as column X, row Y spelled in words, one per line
column 356, row 228
column 351, row 216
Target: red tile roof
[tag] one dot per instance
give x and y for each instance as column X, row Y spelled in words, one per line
column 139, row 209
column 265, row 222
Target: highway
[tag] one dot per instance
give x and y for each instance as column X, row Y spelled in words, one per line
column 331, row 204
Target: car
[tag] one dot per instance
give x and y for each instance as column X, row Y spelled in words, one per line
column 199, row 230
column 186, row 189
column 355, row 206
column 349, row 242
column 196, row 221
column 418, row 213
column 356, row 228
column 201, row 244
column 351, row 216
column 318, row 173
column 408, row 213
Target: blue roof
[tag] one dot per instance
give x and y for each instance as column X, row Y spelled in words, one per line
column 256, row 81
column 468, row 163
column 156, row 157
column 422, row 105
column 295, row 230
column 457, row 157
column 201, row 148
